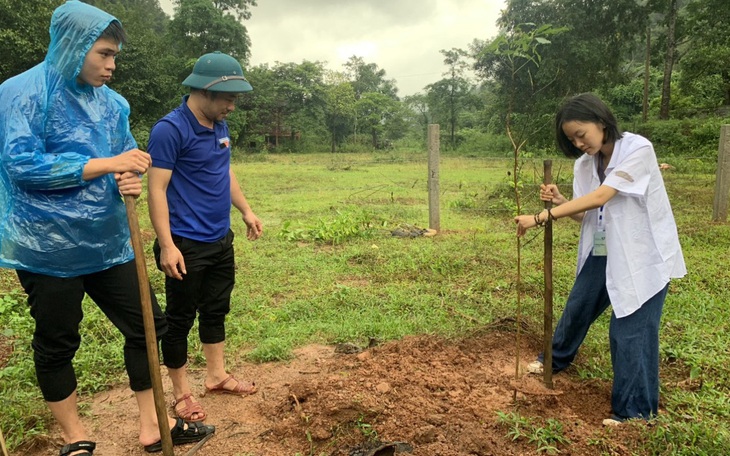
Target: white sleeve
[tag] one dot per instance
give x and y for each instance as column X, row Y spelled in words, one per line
column 633, row 171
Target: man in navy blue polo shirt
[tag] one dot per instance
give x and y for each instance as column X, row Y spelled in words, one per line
column 191, row 190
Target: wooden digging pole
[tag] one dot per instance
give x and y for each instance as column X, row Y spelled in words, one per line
column 2, row 444
column 148, row 319
column 547, row 370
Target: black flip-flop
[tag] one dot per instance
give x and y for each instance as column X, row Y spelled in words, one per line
column 195, row 432
column 80, row 445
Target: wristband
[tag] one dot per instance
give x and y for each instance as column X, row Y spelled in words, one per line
column 538, row 222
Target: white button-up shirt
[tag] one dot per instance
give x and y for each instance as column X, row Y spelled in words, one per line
column 641, row 236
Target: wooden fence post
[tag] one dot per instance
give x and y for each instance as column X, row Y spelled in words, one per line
column 434, row 213
column 722, row 181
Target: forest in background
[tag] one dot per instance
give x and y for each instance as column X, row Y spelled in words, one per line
column 662, row 65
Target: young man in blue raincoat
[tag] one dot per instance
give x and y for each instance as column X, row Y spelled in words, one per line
column 66, row 156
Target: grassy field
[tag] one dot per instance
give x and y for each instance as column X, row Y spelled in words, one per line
column 328, row 270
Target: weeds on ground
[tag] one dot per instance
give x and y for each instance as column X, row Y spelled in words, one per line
column 345, row 225
column 546, row 435
column 366, row 429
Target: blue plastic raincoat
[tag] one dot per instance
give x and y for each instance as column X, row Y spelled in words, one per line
column 52, row 221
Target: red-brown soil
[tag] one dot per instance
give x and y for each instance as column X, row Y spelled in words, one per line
column 439, row 396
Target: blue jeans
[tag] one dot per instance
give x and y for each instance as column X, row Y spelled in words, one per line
column 634, row 341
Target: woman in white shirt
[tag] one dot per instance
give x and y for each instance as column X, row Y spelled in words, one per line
column 628, row 250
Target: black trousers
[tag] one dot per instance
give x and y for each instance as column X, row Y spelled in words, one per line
column 55, row 305
column 205, row 290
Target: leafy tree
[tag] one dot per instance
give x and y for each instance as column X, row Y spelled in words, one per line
column 514, row 61
column 627, row 100
column 367, row 77
column 24, row 34
column 147, row 74
column 258, row 104
column 240, row 9
column 136, row 15
column 449, row 96
column 301, row 87
column 417, row 106
column 202, row 26
column 339, row 97
column 517, row 55
column 705, row 66
column 287, row 96
column 589, row 56
column 375, row 112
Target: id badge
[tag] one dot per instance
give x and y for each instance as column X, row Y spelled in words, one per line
column 599, row 244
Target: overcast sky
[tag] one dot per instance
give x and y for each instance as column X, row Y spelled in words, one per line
column 403, row 37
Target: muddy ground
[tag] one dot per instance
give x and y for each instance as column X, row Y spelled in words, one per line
column 438, row 397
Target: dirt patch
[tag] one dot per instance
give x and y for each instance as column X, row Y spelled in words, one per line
column 435, row 396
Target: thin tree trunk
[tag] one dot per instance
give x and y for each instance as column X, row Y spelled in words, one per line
column 452, row 110
column 668, row 61
column 333, row 138
column 647, row 75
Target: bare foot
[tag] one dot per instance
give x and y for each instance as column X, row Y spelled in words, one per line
column 151, row 435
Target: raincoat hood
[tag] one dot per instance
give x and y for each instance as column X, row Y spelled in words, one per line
column 75, row 27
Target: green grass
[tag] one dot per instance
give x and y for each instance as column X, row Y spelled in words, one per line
column 546, row 435
column 327, row 270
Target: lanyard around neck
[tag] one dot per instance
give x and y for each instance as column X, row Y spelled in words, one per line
column 601, row 177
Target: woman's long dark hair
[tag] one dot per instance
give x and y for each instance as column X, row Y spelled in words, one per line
column 585, row 107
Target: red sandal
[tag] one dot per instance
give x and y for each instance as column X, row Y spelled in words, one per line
column 241, row 388
column 191, row 408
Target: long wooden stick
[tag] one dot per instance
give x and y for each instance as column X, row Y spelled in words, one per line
column 547, row 364
column 2, row 444
column 149, row 326
column 198, row 445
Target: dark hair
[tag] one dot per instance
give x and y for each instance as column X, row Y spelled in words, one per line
column 212, row 94
column 114, row 32
column 585, row 107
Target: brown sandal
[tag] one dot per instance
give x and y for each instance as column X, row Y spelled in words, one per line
column 191, row 408
column 241, row 388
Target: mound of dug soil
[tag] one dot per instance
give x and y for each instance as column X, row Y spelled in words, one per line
column 420, row 396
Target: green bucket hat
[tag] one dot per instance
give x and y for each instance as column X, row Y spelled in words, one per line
column 218, row 72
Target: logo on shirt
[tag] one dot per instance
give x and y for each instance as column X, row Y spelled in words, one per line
column 625, row 175
column 224, row 142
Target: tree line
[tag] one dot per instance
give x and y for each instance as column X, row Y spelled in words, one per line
column 662, row 65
